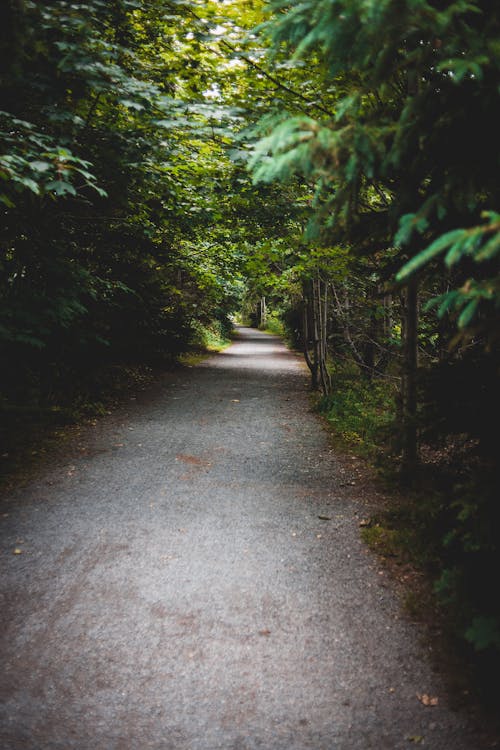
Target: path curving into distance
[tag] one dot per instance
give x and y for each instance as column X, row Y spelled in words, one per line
column 177, row 589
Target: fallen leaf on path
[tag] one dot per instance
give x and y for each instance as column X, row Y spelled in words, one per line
column 325, row 518
column 427, row 700
column 416, row 738
column 365, row 522
column 264, row 632
column 235, row 400
column 17, row 551
column 194, row 460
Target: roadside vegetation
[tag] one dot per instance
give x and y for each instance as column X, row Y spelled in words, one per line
column 326, row 168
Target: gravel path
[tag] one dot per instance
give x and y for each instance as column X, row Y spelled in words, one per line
column 176, row 588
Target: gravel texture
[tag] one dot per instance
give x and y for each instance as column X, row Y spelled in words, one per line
column 171, row 585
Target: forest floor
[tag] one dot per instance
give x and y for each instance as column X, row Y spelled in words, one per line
column 188, row 574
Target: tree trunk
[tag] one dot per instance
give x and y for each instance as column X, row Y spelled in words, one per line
column 323, row 308
column 263, row 313
column 320, row 305
column 307, row 328
column 409, row 380
column 315, row 328
column 369, row 347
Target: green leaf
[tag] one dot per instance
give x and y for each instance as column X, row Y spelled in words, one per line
column 6, row 201
column 40, row 166
column 407, row 225
column 29, row 183
column 468, row 313
column 60, row 187
column 100, row 191
column 490, row 249
column 435, row 248
column 469, row 241
column 131, row 104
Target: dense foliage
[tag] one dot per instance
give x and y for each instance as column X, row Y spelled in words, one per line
column 399, row 155
column 119, row 237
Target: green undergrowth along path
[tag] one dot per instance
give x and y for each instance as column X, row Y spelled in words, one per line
column 360, row 411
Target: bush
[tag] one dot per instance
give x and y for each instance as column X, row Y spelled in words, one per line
column 361, row 411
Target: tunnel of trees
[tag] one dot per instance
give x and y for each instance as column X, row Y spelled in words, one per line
column 325, row 168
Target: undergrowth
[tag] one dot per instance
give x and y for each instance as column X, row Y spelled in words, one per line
column 274, row 325
column 33, row 428
column 446, row 527
column 360, row 411
column 214, row 338
column 206, row 340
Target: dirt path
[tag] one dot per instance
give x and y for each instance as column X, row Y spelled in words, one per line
column 176, row 588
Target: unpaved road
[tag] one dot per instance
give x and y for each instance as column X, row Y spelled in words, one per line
column 177, row 590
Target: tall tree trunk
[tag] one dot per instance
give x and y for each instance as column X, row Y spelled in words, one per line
column 369, row 347
column 315, row 327
column 307, row 330
column 323, row 335
column 342, row 310
column 388, row 316
column 320, row 331
column 409, row 380
column 262, row 312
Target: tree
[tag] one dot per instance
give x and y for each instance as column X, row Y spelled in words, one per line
column 119, row 235
column 409, row 81
column 401, row 160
